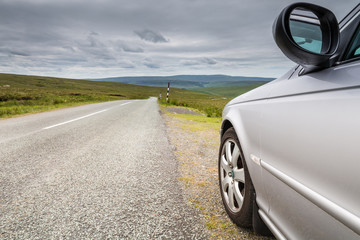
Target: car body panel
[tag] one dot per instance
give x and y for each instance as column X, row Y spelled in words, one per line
column 325, row 123
column 245, row 118
column 335, row 78
column 313, row 138
column 261, row 92
column 312, row 144
column 298, row 218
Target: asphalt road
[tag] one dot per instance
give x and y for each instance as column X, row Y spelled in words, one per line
column 97, row 171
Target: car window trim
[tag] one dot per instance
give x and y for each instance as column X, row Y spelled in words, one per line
column 352, row 16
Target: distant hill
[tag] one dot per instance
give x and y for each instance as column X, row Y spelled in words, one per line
column 189, row 81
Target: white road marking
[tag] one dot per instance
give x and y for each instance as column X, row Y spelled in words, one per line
column 76, row 119
column 126, row 103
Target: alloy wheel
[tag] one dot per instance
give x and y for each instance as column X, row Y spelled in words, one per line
column 232, row 176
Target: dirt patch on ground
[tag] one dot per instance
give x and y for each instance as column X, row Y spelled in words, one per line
column 197, row 145
column 182, row 111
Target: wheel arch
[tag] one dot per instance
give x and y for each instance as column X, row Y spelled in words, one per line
column 226, row 124
column 233, row 120
column 240, row 133
column 247, row 127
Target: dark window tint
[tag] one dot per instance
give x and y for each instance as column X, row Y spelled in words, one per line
column 354, row 50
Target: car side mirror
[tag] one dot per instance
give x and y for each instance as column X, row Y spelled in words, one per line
column 308, row 35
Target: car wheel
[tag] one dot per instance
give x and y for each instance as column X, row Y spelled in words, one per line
column 235, row 184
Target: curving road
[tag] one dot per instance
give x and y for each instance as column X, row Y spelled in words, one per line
column 97, row 171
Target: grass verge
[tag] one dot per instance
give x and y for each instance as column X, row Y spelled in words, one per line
column 210, row 101
column 206, row 122
column 211, row 105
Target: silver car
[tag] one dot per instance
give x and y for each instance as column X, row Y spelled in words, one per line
column 289, row 159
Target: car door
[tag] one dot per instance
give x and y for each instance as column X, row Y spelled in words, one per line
column 310, row 138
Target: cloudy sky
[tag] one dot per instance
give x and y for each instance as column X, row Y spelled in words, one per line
column 106, row 38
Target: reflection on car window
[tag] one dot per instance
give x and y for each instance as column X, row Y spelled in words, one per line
column 354, row 50
column 306, row 35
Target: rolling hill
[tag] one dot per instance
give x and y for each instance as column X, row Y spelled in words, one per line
column 189, row 81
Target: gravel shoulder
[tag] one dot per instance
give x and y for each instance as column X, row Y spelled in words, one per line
column 179, row 110
column 196, row 145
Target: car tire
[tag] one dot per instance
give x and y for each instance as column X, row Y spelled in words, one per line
column 236, row 188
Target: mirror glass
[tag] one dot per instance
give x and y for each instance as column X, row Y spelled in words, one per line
column 305, row 30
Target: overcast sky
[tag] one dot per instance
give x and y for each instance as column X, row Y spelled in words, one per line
column 106, row 38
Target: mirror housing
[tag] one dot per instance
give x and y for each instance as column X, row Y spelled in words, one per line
column 311, row 61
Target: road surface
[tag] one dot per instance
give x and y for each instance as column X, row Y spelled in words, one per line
column 96, row 171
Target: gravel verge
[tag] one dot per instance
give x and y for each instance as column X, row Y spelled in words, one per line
column 178, row 110
column 196, row 149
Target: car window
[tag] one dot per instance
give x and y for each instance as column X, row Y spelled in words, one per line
column 307, row 35
column 354, row 50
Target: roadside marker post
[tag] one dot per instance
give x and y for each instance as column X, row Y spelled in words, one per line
column 167, row 94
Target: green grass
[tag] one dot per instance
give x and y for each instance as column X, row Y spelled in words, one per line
column 212, row 100
column 229, row 92
column 20, row 94
column 207, row 122
column 211, row 105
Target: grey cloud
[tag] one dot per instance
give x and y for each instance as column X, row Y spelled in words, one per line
column 209, row 61
column 93, row 41
column 126, row 64
column 19, row 53
column 94, row 47
column 150, row 64
column 97, row 37
column 151, row 36
column 67, row 60
column 99, row 53
column 131, row 49
column 16, row 52
column 94, row 33
column 69, row 48
column 189, row 62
